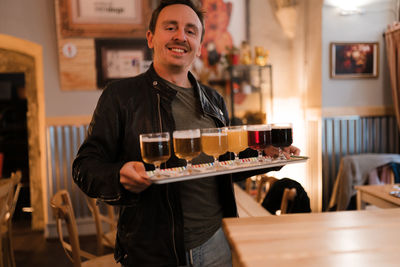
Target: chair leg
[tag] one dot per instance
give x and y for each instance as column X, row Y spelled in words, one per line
column 10, row 245
column 2, row 254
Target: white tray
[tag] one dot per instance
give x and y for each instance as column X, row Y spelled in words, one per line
column 204, row 170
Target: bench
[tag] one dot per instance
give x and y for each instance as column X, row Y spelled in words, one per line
column 247, row 205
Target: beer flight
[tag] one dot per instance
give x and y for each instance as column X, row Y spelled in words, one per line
column 188, row 144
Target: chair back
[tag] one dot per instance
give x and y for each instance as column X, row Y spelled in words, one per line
column 63, row 212
column 104, row 238
column 5, row 192
column 16, row 188
column 8, row 200
column 287, row 201
column 264, row 184
column 5, row 189
column 289, row 194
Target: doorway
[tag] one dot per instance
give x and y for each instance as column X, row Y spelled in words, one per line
column 14, row 136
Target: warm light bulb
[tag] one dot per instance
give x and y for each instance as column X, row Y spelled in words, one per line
column 347, row 7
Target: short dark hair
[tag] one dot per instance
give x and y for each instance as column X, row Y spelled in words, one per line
column 165, row 3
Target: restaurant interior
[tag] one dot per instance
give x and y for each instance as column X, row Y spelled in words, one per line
column 328, row 67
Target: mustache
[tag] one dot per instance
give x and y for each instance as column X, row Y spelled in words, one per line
column 178, row 43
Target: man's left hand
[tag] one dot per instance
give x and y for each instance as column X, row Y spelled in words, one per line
column 287, row 151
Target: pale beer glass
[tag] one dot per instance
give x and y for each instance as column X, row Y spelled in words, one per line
column 281, row 137
column 237, row 140
column 155, row 149
column 187, row 145
column 259, row 138
column 214, row 142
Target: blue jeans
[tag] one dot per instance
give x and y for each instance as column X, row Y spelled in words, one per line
column 214, row 252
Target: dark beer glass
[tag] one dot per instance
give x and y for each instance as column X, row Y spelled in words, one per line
column 259, row 138
column 282, row 136
column 155, row 149
column 187, row 145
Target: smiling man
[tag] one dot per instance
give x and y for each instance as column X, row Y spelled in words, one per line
column 176, row 224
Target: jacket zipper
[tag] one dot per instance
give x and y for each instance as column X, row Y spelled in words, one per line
column 169, row 203
column 212, row 115
column 159, row 111
column 173, row 227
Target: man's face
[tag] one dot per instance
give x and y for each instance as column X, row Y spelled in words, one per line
column 177, row 38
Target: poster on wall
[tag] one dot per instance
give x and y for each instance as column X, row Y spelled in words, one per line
column 225, row 27
column 120, row 58
column 103, row 18
column 354, row 60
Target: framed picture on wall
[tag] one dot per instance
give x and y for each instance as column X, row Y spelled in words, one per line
column 120, row 58
column 103, row 18
column 354, row 60
column 226, row 25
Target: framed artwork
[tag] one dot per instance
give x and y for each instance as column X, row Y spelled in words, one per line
column 354, row 60
column 103, row 18
column 226, row 25
column 120, row 58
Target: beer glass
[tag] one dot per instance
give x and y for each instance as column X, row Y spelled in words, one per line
column 214, row 142
column 259, row 138
column 187, row 145
column 155, row 149
column 237, row 140
column 282, row 136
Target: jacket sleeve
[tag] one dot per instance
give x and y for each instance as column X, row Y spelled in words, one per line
column 97, row 164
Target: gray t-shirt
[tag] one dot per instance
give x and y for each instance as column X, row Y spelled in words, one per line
column 202, row 211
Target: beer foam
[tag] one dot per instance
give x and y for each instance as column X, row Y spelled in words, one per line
column 281, row 127
column 186, row 134
column 236, row 130
column 155, row 139
column 260, row 127
column 214, row 134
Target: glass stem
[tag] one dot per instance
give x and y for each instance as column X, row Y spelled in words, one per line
column 236, row 161
column 216, row 162
column 260, row 155
column 157, row 171
column 188, row 166
column 281, row 155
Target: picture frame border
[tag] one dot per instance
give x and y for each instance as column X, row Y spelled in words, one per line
column 102, row 30
column 121, row 44
column 332, row 62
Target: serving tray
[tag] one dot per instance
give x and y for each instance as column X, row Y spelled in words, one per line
column 227, row 167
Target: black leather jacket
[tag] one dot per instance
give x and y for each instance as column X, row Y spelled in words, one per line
column 150, row 227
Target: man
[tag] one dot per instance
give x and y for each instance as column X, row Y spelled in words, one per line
column 176, row 224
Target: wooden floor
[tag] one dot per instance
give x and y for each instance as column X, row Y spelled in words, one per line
column 32, row 249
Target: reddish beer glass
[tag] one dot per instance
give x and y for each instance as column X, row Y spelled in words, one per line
column 259, row 138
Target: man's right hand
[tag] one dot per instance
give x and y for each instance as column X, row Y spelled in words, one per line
column 133, row 177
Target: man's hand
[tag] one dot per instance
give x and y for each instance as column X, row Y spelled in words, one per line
column 287, row 151
column 133, row 177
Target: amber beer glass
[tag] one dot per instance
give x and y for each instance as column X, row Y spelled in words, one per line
column 187, row 145
column 282, row 136
column 155, row 149
column 259, row 138
column 237, row 140
column 214, row 142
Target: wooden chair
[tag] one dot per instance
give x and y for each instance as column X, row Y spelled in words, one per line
column 288, row 195
column 63, row 211
column 104, row 238
column 5, row 189
column 8, row 205
column 265, row 182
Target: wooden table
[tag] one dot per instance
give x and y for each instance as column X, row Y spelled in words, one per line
column 377, row 195
column 347, row 238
